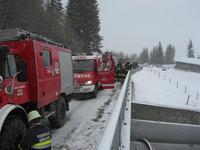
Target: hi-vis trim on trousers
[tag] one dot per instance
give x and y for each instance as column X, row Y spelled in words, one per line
column 42, row 145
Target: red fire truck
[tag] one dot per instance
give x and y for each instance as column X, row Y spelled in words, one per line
column 92, row 72
column 35, row 73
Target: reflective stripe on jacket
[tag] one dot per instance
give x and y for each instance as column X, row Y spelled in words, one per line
column 38, row 137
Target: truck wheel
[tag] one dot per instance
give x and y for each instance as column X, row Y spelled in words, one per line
column 59, row 118
column 12, row 132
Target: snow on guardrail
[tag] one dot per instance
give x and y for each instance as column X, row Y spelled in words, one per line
column 117, row 132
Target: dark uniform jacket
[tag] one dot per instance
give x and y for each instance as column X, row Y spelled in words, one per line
column 38, row 137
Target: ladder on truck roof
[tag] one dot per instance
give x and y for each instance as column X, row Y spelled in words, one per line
column 20, row 34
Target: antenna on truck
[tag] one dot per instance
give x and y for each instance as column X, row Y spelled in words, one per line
column 20, row 34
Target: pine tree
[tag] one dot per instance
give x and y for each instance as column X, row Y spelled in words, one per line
column 23, row 14
column 84, row 16
column 59, row 26
column 35, row 17
column 169, row 54
column 133, row 57
column 11, row 14
column 156, row 55
column 141, row 57
column 190, row 50
column 54, row 20
column 144, row 56
column 43, row 17
column 160, row 54
column 71, row 39
column 153, row 56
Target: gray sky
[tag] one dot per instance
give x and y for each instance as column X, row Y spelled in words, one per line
column 130, row 25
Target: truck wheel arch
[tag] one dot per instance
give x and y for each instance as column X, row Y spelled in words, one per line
column 9, row 109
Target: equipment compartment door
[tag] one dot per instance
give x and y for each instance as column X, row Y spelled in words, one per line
column 49, row 84
column 66, row 72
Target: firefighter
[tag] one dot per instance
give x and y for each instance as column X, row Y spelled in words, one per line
column 38, row 136
column 118, row 68
column 134, row 65
column 127, row 67
column 122, row 74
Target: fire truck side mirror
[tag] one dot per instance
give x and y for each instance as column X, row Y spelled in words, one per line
column 22, row 68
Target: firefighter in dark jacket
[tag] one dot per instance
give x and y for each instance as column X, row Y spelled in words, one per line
column 118, row 69
column 38, row 136
column 127, row 67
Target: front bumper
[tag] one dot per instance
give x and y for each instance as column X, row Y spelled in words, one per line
column 84, row 89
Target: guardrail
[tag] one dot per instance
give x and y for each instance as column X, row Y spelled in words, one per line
column 117, row 132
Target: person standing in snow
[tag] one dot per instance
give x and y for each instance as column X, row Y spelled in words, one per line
column 38, row 136
column 127, row 67
column 117, row 71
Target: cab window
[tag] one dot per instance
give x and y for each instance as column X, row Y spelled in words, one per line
column 12, row 68
column 8, row 66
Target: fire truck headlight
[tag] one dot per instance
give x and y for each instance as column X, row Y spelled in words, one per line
column 88, row 82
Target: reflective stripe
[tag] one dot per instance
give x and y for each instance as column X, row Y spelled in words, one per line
column 42, row 145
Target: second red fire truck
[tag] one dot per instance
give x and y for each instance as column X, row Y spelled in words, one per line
column 92, row 72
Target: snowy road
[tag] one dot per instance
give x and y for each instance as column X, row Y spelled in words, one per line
column 86, row 122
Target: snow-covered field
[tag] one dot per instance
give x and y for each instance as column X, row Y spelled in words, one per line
column 86, row 122
column 167, row 86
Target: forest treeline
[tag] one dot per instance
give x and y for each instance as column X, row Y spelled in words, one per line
column 158, row 55
column 76, row 26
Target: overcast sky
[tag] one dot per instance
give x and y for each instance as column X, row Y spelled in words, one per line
column 130, row 25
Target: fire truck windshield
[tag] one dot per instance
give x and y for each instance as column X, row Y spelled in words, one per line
column 7, row 66
column 83, row 65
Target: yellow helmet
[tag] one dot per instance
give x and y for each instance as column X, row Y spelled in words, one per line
column 33, row 115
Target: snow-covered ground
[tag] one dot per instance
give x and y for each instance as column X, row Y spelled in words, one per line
column 86, row 122
column 167, row 86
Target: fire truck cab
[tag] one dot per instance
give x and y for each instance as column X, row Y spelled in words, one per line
column 92, row 72
column 35, row 73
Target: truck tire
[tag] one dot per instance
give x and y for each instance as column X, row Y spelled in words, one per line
column 12, row 132
column 58, row 120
